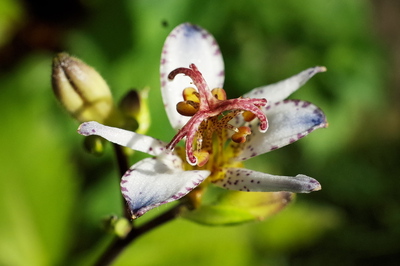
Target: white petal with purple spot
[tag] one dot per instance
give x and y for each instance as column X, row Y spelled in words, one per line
column 289, row 121
column 152, row 182
column 123, row 137
column 247, row 180
column 281, row 90
column 188, row 44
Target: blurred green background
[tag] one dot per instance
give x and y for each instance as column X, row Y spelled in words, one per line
column 53, row 195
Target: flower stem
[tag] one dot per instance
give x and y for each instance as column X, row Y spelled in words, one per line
column 119, row 244
column 123, row 166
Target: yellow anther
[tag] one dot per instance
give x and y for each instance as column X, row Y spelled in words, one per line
column 240, row 136
column 187, row 108
column 191, row 94
column 248, row 116
column 202, row 157
column 219, row 93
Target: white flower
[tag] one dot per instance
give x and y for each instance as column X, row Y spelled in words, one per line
column 220, row 134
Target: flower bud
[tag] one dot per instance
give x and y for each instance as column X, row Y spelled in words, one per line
column 135, row 108
column 94, row 145
column 81, row 90
column 130, row 103
column 117, row 225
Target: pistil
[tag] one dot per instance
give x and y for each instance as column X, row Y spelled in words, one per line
column 212, row 106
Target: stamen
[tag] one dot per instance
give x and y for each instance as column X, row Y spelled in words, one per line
column 240, row 136
column 219, row 93
column 187, row 108
column 191, row 94
column 248, row 116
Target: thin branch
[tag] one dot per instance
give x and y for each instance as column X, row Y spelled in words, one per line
column 123, row 166
column 119, row 244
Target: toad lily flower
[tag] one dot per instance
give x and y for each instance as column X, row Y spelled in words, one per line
column 220, row 133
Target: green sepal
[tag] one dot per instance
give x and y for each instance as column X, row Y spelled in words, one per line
column 235, row 207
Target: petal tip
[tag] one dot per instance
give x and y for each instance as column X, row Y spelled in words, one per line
column 309, row 184
column 317, row 188
column 89, row 128
column 83, row 129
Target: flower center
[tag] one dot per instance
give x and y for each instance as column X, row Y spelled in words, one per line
column 210, row 114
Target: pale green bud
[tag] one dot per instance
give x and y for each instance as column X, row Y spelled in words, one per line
column 81, row 90
column 119, row 226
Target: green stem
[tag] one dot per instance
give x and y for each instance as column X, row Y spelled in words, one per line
column 123, row 166
column 119, row 244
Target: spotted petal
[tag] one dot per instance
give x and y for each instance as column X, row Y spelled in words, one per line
column 155, row 181
column 247, row 180
column 123, row 137
column 188, row 44
column 281, row 90
column 289, row 121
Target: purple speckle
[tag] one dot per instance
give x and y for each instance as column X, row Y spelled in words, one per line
column 296, row 102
